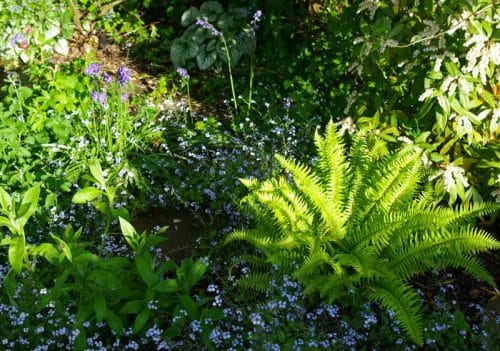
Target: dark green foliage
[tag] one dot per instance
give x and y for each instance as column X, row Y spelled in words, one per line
column 356, row 222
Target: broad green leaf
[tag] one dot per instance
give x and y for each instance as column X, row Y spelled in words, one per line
column 96, row 171
column 63, row 246
column 47, row 251
column 17, row 251
column 4, row 221
column 197, row 271
column 145, row 269
column 167, row 286
column 141, row 320
column 132, row 307
column 28, row 204
column 129, row 233
column 5, row 201
column 85, row 195
column 114, row 322
column 10, row 284
column 99, row 306
column 190, row 306
column 189, row 16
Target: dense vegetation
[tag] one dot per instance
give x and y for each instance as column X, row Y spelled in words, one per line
column 353, row 144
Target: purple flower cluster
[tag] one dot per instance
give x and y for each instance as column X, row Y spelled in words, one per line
column 183, row 73
column 99, row 97
column 19, row 39
column 93, row 70
column 124, row 75
column 208, row 26
column 256, row 19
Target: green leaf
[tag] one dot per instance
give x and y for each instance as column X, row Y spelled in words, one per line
column 145, row 269
column 63, row 246
column 141, row 320
column 132, row 307
column 114, row 322
column 86, row 195
column 197, row 271
column 96, row 171
column 17, row 251
column 99, row 306
column 129, row 233
column 5, row 201
column 189, row 16
column 190, row 306
column 28, row 204
column 211, row 10
column 4, row 221
column 167, row 286
column 205, row 59
column 47, row 251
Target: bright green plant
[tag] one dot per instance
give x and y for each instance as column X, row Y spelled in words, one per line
column 14, row 216
column 33, row 31
column 102, row 194
column 354, row 222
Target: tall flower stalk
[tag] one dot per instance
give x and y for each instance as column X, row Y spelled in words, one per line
column 210, row 27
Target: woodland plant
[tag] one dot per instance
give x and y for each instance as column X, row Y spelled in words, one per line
column 353, row 222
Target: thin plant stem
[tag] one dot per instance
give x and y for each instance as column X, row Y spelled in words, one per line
column 230, row 73
column 249, row 107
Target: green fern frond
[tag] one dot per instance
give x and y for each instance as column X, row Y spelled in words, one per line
column 426, row 250
column 309, row 184
column 471, row 265
column 405, row 302
column 332, row 163
column 464, row 214
column 387, row 180
column 256, row 281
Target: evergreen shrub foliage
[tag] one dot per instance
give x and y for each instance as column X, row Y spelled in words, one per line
column 353, row 222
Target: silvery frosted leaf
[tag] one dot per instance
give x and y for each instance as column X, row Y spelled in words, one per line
column 205, row 59
column 211, row 10
column 61, row 47
column 52, row 32
column 189, row 16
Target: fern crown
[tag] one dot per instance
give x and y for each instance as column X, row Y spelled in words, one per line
column 353, row 221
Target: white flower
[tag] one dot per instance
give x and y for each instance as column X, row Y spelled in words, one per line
column 427, row 93
column 453, row 175
column 347, row 124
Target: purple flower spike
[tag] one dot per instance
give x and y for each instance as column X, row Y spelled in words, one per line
column 256, row 19
column 93, row 69
column 124, row 97
column 107, row 78
column 183, row 73
column 288, row 103
column 208, row 26
column 124, row 75
column 100, row 98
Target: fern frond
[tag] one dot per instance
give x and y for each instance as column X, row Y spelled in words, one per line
column 332, row 163
column 464, row 214
column 471, row 265
column 404, row 301
column 256, row 281
column 256, row 237
column 357, row 178
column 430, row 247
column 387, row 180
column 310, row 186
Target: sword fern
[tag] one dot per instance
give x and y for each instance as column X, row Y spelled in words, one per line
column 353, row 222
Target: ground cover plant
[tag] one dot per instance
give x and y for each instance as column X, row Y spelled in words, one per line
column 367, row 132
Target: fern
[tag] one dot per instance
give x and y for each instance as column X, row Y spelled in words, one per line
column 353, row 222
